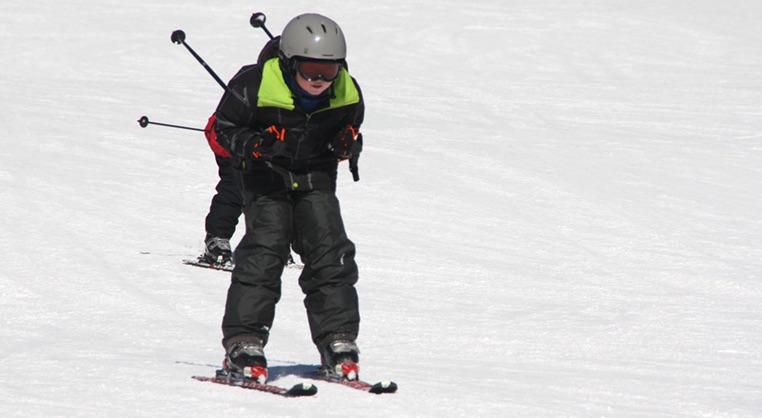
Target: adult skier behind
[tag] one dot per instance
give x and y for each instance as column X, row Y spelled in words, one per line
column 226, row 206
column 289, row 120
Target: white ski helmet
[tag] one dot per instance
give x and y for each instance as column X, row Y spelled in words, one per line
column 313, row 36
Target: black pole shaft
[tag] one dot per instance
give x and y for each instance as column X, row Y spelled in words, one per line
column 178, row 37
column 353, row 168
column 267, row 32
column 205, row 65
column 356, row 149
column 143, row 121
column 177, row 126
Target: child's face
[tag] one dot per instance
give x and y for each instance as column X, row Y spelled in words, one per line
column 312, row 87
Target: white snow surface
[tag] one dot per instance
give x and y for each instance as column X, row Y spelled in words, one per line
column 560, row 211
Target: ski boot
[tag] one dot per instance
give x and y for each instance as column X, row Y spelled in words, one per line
column 340, row 358
column 217, row 250
column 245, row 361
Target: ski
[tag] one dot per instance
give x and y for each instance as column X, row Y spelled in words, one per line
column 300, row 389
column 200, row 262
column 377, row 388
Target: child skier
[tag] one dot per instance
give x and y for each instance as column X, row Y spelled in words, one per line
column 287, row 123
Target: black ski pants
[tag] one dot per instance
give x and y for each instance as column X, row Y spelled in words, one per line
column 227, row 204
column 312, row 222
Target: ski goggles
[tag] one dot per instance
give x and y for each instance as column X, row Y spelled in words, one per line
column 318, row 70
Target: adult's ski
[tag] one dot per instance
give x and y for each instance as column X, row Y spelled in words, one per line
column 201, row 262
column 300, row 389
column 377, row 388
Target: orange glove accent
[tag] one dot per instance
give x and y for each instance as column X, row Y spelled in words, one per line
column 343, row 142
column 267, row 138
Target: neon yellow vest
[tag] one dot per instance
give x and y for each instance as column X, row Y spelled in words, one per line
column 273, row 91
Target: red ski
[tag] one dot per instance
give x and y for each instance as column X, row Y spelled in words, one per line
column 301, row 389
column 377, row 388
column 201, row 262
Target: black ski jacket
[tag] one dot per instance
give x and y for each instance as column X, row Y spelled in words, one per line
column 260, row 98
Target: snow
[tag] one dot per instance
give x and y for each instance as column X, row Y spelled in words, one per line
column 559, row 211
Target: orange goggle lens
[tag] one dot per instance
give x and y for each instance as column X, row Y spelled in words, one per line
column 314, row 70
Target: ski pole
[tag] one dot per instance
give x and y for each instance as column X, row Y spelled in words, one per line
column 258, row 21
column 178, row 37
column 143, row 121
column 356, row 149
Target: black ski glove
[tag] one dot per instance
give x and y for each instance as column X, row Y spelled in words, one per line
column 269, row 143
column 344, row 144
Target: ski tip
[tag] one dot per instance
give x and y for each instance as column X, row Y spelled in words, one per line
column 302, row 389
column 383, row 387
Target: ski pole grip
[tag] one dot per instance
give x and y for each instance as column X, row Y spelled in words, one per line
column 178, row 37
column 258, row 21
